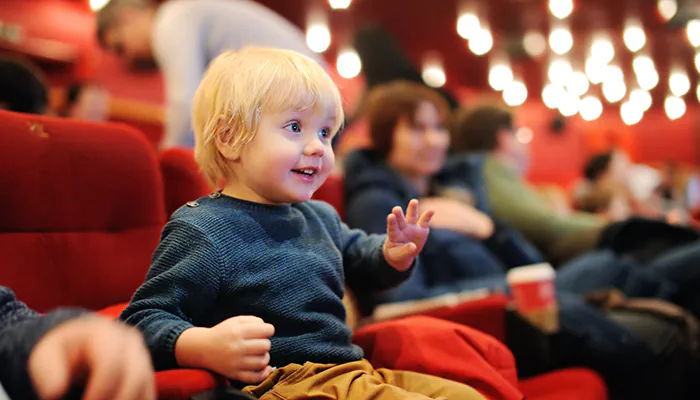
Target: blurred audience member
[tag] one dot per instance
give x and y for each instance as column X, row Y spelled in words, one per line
column 383, row 61
column 183, row 36
column 66, row 351
column 86, row 101
column 618, row 189
column 668, row 187
column 557, row 198
column 491, row 129
column 22, row 87
column 469, row 250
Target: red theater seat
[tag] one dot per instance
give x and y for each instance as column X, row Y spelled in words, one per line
column 80, row 213
column 181, row 178
column 332, row 192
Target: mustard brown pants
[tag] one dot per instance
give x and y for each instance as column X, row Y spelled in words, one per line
column 356, row 380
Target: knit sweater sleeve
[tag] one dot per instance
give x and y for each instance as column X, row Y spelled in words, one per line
column 20, row 330
column 182, row 284
column 366, row 269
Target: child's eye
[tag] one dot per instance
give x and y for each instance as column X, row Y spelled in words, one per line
column 324, row 133
column 293, row 127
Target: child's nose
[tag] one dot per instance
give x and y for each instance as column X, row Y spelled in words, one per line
column 315, row 148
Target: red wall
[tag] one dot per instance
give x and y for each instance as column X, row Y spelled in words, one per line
column 558, row 158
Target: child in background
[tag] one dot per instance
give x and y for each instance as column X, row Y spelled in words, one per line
column 263, row 121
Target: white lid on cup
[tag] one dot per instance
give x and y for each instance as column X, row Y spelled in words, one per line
column 531, row 273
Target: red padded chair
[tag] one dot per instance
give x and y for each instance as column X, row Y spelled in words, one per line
column 182, row 180
column 81, row 211
column 332, row 193
column 80, row 214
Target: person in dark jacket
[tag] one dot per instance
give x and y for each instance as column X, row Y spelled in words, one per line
column 46, row 356
column 467, row 249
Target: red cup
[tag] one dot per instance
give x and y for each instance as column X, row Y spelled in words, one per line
column 533, row 292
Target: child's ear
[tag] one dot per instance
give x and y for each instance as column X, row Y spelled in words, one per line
column 226, row 149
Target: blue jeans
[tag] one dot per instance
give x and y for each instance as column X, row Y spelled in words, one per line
column 674, row 276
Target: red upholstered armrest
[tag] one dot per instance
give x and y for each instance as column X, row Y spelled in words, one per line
column 445, row 349
column 184, row 383
column 487, row 315
column 483, row 311
column 182, row 180
column 333, row 193
column 113, row 311
column 177, row 383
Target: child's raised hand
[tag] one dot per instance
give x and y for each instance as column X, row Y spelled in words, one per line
column 406, row 235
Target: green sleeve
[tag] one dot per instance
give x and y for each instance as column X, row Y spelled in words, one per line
column 516, row 203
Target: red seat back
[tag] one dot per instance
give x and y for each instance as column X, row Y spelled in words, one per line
column 80, row 213
column 182, row 179
column 333, row 193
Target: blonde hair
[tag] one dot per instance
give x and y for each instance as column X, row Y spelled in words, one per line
column 239, row 85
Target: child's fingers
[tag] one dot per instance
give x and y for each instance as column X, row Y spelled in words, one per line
column 404, row 251
column 247, row 319
column 400, row 219
column 256, row 346
column 253, row 376
column 392, row 227
column 412, row 212
column 254, row 363
column 424, row 221
column 257, row 331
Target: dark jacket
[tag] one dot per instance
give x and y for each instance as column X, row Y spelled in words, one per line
column 20, row 329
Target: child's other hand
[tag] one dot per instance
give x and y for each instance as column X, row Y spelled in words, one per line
column 241, row 348
column 109, row 358
column 406, row 236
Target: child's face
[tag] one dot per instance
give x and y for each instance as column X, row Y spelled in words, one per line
column 289, row 158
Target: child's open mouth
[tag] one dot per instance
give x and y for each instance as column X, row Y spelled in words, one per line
column 306, row 172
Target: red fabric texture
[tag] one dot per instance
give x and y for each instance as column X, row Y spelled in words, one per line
column 487, row 315
column 152, row 131
column 569, row 384
column 184, row 383
column 333, row 193
column 445, row 349
column 182, row 179
column 81, row 210
column 457, row 352
column 113, row 311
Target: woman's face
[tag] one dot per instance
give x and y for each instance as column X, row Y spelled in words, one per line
column 420, row 143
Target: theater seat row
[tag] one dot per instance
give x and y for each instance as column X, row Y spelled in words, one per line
column 81, row 212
